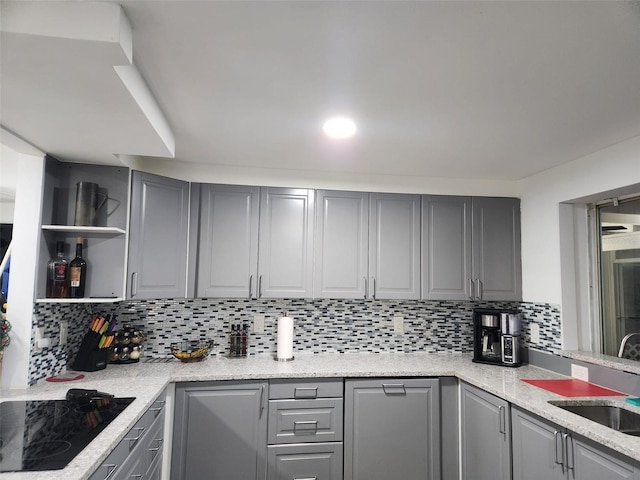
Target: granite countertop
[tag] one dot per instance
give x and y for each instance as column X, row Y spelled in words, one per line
column 146, row 381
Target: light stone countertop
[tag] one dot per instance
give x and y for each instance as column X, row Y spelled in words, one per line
column 146, row 381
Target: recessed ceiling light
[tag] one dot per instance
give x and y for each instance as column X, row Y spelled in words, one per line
column 339, row 127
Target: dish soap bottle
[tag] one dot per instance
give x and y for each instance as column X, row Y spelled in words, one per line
column 77, row 272
column 57, row 272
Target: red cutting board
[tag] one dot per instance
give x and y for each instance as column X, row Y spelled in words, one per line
column 573, row 388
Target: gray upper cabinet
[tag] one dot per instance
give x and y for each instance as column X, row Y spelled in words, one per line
column 228, row 253
column 341, row 266
column 446, row 247
column 486, row 435
column 286, row 241
column 220, row 431
column 157, row 266
column 496, row 248
column 392, row 429
column 394, row 246
column 471, row 248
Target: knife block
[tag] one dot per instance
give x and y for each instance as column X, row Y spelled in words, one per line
column 90, row 358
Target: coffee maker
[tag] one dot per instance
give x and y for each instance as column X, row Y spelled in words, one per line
column 496, row 336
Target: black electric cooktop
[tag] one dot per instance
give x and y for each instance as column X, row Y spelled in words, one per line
column 47, row 434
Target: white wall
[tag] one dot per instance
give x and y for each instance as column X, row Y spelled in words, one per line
column 8, row 182
column 595, row 176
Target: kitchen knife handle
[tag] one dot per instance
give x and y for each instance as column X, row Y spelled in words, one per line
column 250, row 285
column 471, row 288
column 557, row 436
column 134, row 284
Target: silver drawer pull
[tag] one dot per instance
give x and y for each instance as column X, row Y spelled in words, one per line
column 135, row 439
column 394, row 388
column 306, row 425
column 305, row 478
column 111, row 468
column 305, row 392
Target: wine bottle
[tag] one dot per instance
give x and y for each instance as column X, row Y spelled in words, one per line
column 57, row 273
column 77, row 272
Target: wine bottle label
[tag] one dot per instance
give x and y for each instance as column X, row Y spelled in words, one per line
column 60, row 272
column 74, row 276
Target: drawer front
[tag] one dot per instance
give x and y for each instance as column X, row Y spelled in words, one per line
column 298, row 421
column 318, row 388
column 318, row 461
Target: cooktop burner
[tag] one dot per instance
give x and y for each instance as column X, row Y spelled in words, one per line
column 47, row 434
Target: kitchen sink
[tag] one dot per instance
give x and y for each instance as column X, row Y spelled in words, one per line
column 611, row 416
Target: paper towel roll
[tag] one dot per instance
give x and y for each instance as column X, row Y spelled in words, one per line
column 285, row 338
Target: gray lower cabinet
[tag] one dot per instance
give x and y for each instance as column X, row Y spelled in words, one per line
column 486, row 435
column 139, row 454
column 305, row 429
column 158, row 236
column 542, row 449
column 220, row 431
column 392, row 429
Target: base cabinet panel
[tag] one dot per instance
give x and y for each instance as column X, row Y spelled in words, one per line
column 220, row 431
column 321, row 461
column 392, row 429
column 486, row 435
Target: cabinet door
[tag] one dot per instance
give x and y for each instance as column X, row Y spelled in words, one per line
column 496, row 248
column 486, row 435
column 228, row 249
column 314, row 461
column 394, row 246
column 285, row 253
column 158, row 237
column 220, row 431
column 537, row 448
column 341, row 265
column 392, row 429
column 592, row 462
column 446, row 248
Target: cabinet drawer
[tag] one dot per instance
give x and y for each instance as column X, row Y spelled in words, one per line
column 297, row 421
column 318, row 388
column 305, row 462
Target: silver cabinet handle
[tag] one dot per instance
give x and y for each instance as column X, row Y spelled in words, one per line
column 111, row 468
column 260, row 286
column 305, row 392
column 250, row 285
column 305, row 478
column 156, row 410
column 154, row 451
column 471, row 289
column 568, row 448
column 478, row 289
column 366, row 287
column 306, row 425
column 134, row 284
column 262, row 389
column 374, row 288
column 502, row 420
column 135, row 439
column 557, row 447
column 394, row 389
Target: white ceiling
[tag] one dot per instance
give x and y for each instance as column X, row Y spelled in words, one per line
column 456, row 89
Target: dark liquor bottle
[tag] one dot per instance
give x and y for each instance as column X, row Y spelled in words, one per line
column 77, row 272
column 57, row 273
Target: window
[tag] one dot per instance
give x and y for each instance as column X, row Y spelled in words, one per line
column 618, row 223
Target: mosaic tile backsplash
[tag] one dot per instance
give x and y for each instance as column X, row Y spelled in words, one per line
column 321, row 326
